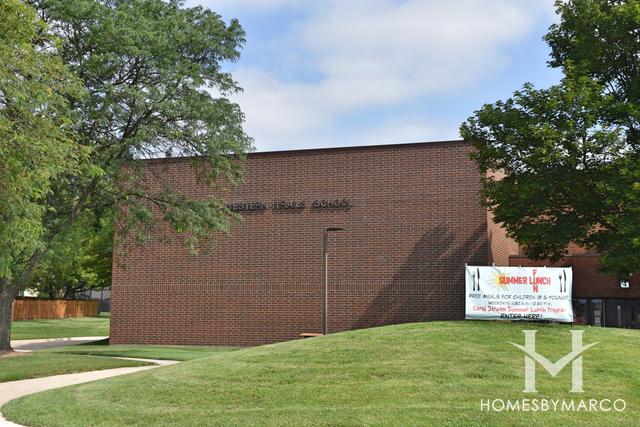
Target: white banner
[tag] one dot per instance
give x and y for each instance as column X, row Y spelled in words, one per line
column 519, row 293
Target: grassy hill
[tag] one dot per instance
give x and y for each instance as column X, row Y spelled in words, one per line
column 413, row 374
column 59, row 328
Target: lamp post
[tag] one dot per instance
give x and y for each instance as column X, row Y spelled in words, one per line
column 327, row 230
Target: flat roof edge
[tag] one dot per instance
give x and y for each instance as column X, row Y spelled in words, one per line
column 325, row 149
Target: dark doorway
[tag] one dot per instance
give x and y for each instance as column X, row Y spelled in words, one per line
column 622, row 313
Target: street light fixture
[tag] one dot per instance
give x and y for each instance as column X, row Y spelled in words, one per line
column 327, row 230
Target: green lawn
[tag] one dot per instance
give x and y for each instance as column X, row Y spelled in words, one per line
column 412, row 374
column 59, row 328
column 44, row 364
column 165, row 352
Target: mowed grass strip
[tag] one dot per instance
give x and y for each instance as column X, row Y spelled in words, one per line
column 412, row 374
column 164, row 352
column 44, row 364
column 60, row 328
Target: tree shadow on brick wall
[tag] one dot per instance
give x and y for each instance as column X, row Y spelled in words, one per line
column 430, row 283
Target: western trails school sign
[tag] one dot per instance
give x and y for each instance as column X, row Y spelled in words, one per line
column 519, row 293
column 290, row 204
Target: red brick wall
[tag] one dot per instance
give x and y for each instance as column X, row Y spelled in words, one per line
column 501, row 247
column 415, row 221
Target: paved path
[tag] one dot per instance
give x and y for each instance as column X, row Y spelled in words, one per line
column 15, row 389
column 31, row 345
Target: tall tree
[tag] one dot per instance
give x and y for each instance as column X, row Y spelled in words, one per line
column 152, row 70
column 570, row 154
column 36, row 144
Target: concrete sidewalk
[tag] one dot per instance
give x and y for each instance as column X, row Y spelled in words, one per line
column 15, row 389
column 40, row 344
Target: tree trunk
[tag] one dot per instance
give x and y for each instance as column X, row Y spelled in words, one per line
column 6, row 305
column 9, row 290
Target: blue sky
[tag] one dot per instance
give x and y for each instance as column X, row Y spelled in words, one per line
column 329, row 73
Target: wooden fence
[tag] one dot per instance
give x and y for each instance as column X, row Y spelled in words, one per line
column 31, row 309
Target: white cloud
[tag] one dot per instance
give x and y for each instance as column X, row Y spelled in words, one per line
column 393, row 130
column 373, row 54
column 403, row 128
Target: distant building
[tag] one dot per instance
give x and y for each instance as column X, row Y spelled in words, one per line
column 102, row 295
column 28, row 293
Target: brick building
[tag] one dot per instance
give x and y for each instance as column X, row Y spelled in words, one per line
column 410, row 219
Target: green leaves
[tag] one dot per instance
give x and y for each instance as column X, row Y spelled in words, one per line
column 562, row 162
column 79, row 257
column 37, row 143
column 598, row 39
